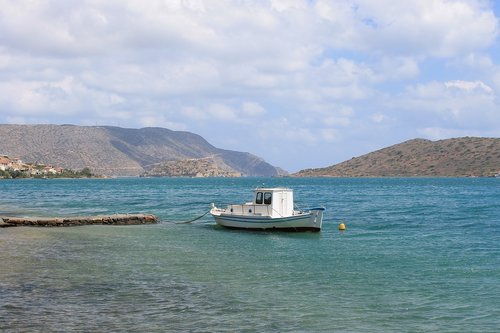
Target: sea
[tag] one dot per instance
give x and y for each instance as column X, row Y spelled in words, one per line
column 417, row 255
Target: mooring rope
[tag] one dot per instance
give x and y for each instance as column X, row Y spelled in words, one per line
column 185, row 222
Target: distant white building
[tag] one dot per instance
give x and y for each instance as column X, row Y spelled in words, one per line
column 50, row 170
column 4, row 163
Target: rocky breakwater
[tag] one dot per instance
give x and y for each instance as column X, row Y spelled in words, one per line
column 115, row 219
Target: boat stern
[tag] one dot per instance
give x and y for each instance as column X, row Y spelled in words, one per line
column 317, row 216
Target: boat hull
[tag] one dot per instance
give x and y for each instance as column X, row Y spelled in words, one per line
column 310, row 221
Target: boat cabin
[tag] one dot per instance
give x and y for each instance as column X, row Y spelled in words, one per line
column 272, row 202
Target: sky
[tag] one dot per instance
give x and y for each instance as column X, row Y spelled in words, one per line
column 300, row 83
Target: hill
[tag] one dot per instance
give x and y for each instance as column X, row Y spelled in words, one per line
column 212, row 166
column 116, row 151
column 459, row 157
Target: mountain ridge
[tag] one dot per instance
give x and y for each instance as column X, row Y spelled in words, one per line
column 116, row 151
column 456, row 157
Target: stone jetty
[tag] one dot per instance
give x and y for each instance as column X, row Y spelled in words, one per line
column 115, row 219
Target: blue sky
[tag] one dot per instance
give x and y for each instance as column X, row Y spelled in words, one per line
column 299, row 83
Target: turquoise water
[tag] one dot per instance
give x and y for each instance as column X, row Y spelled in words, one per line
column 418, row 255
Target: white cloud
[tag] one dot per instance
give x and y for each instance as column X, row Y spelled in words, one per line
column 329, row 134
column 252, row 108
column 332, row 68
column 475, row 61
column 222, row 112
column 440, row 133
column 336, row 121
column 457, row 106
column 334, row 116
column 427, row 28
column 378, row 117
column 397, row 68
column 282, row 5
column 287, row 132
column 153, row 120
column 468, row 86
column 297, row 135
column 193, row 113
column 496, row 80
column 226, row 113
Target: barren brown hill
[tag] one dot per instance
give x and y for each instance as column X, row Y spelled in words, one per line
column 212, row 166
column 118, row 151
column 459, row 157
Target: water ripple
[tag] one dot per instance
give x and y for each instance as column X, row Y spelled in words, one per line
column 417, row 255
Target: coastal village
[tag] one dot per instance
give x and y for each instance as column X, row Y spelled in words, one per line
column 14, row 167
column 16, row 164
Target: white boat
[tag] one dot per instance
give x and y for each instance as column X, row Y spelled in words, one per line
column 272, row 208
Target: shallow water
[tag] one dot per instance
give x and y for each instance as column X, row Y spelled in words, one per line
column 417, row 255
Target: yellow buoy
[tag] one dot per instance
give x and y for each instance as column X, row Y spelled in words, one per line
column 341, row 226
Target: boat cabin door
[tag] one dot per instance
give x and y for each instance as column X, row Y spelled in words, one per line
column 283, row 203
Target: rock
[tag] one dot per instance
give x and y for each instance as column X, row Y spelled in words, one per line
column 117, row 219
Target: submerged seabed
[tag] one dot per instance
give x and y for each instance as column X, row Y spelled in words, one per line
column 417, row 255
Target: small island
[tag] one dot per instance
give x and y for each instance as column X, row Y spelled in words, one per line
column 211, row 166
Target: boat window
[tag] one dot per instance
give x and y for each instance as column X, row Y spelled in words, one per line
column 267, row 198
column 258, row 198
